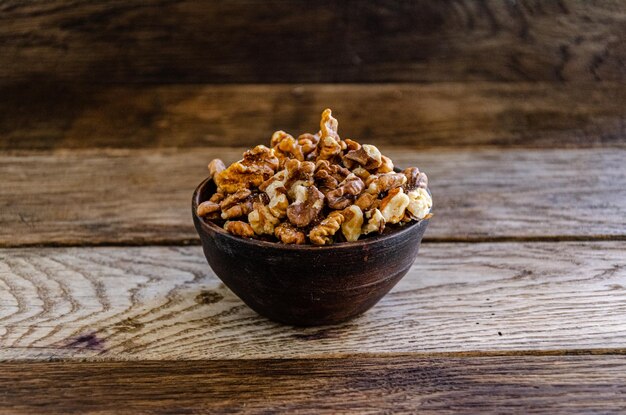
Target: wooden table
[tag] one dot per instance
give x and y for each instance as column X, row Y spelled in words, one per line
column 516, row 303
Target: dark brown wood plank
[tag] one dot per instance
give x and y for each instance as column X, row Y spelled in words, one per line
column 550, row 385
column 47, row 115
column 300, row 41
column 100, row 197
column 160, row 303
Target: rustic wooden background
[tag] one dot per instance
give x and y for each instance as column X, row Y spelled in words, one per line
column 110, row 110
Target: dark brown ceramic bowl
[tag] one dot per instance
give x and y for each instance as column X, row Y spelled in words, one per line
column 307, row 285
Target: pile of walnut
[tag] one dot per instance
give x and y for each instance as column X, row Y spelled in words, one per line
column 311, row 187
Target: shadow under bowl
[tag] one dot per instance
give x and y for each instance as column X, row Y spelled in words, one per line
column 307, row 285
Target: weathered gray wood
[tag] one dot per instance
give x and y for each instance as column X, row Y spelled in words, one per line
column 301, row 41
column 525, row 385
column 47, row 115
column 85, row 197
column 142, row 303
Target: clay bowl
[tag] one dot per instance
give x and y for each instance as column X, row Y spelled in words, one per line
column 305, row 285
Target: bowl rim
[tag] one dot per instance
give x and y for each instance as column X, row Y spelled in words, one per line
column 212, row 227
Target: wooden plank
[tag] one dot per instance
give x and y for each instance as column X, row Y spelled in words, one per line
column 145, row 303
column 276, row 41
column 46, row 114
column 82, row 197
column 550, row 385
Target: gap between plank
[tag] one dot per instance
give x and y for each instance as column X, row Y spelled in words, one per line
column 346, row 356
column 194, row 242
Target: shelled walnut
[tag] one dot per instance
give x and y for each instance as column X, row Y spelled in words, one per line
column 353, row 222
column 377, row 184
column 236, row 204
column 317, row 188
column 393, row 205
column 262, row 220
column 239, row 228
column 345, row 193
column 323, row 233
column 289, row 234
column 420, row 204
column 307, row 205
column 375, row 222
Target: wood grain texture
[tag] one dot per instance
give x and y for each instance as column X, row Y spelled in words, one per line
column 275, row 41
column 47, row 115
column 144, row 303
column 550, row 385
column 100, row 197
